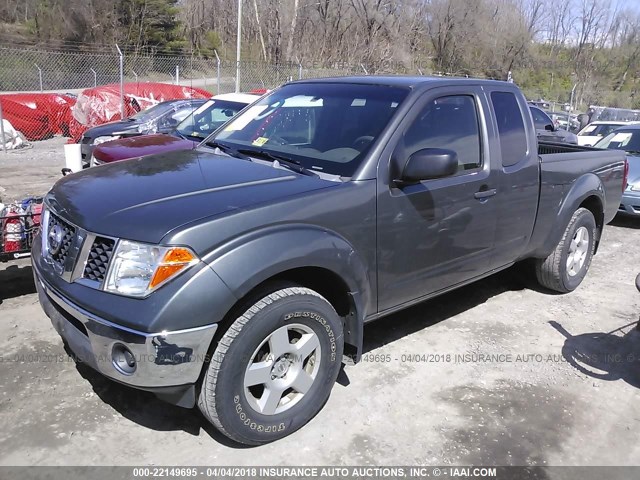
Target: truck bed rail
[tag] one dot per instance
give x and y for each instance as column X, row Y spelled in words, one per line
column 545, row 148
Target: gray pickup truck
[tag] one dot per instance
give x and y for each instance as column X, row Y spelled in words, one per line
column 238, row 276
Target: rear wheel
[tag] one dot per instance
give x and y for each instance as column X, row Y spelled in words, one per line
column 274, row 368
column 568, row 264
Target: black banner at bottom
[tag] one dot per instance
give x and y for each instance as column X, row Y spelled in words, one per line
column 318, row 472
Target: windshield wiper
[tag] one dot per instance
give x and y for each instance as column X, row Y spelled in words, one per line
column 227, row 149
column 290, row 163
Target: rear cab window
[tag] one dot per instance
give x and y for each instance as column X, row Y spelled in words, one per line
column 511, row 129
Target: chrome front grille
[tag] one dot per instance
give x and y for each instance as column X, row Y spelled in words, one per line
column 75, row 254
column 63, row 242
column 98, row 259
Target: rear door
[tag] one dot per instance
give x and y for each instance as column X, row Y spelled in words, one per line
column 516, row 152
column 436, row 233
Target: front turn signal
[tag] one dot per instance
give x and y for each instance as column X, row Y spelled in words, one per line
column 174, row 261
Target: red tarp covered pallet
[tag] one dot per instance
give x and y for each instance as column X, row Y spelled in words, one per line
column 99, row 105
column 38, row 115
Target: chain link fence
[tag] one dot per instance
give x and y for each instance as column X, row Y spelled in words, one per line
column 38, row 88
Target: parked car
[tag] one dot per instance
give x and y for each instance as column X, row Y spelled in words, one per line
column 327, row 204
column 189, row 133
column 561, row 119
column 163, row 117
column 638, row 288
column 628, row 139
column 547, row 130
column 596, row 131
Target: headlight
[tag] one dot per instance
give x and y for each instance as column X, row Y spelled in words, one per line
column 44, row 231
column 149, row 127
column 634, row 188
column 137, row 269
column 100, row 140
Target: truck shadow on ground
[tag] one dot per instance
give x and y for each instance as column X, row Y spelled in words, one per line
column 625, row 222
column 605, row 356
column 15, row 281
column 146, row 410
column 423, row 315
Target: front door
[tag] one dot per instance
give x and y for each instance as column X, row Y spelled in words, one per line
column 437, row 233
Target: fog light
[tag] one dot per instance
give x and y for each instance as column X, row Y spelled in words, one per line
column 123, row 359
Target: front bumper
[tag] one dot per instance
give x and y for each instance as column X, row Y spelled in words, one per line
column 630, row 203
column 164, row 361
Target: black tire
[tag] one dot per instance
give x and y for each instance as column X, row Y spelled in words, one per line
column 552, row 272
column 223, row 398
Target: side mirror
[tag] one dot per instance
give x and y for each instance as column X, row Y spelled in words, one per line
column 549, row 127
column 429, row 163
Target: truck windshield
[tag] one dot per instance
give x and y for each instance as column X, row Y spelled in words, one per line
column 206, row 119
column 152, row 112
column 326, row 127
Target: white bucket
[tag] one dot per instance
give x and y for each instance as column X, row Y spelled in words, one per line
column 73, row 157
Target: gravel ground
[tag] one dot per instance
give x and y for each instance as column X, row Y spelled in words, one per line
column 497, row 373
column 32, row 170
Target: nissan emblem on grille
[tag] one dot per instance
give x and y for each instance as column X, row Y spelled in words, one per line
column 56, row 233
column 60, row 236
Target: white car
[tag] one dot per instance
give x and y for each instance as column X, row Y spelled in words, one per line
column 596, row 131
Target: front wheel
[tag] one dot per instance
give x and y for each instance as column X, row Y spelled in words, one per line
column 568, row 264
column 274, row 368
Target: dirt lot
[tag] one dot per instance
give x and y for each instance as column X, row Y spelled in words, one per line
column 506, row 374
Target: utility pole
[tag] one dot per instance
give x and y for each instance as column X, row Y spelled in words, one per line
column 238, row 46
column 573, row 91
column 121, row 82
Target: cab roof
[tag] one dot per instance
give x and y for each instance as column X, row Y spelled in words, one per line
column 237, row 97
column 406, row 81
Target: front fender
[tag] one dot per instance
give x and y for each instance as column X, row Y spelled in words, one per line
column 253, row 258
column 588, row 185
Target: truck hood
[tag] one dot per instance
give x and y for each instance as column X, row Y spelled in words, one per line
column 108, row 129
column 145, row 198
column 139, row 146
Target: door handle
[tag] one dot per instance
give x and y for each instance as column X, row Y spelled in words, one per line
column 485, row 194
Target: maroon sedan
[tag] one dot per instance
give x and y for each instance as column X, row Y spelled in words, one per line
column 189, row 133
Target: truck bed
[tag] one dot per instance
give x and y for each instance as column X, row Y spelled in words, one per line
column 562, row 167
column 562, row 164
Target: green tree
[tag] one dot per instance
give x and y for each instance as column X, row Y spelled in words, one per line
column 151, row 24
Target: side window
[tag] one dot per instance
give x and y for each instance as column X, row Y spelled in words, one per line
column 221, row 115
column 540, row 118
column 181, row 113
column 451, row 123
column 513, row 138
